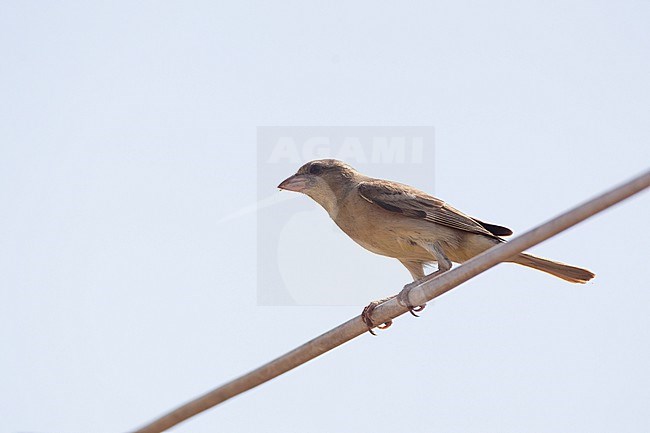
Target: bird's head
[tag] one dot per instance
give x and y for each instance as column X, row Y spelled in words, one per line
column 324, row 180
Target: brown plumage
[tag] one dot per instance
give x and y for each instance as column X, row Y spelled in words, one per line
column 400, row 221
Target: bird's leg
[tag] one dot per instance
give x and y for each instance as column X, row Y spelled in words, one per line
column 417, row 272
column 366, row 315
column 403, row 296
column 444, row 264
column 415, row 268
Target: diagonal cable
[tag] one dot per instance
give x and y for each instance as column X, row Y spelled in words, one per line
column 391, row 309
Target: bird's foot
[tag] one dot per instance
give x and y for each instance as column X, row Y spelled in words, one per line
column 366, row 316
column 403, row 299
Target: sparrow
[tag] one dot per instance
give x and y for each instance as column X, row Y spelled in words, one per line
column 399, row 221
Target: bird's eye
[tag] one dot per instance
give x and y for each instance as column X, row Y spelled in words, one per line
column 315, row 169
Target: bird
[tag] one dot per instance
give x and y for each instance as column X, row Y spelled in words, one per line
column 396, row 220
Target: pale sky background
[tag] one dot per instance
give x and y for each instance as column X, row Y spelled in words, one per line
column 128, row 129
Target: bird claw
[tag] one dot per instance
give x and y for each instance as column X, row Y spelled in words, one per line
column 403, row 300
column 416, row 309
column 366, row 316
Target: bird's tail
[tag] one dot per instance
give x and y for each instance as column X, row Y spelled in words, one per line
column 566, row 272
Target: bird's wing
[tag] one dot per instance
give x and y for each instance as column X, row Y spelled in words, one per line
column 408, row 201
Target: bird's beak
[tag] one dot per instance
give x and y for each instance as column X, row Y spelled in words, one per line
column 297, row 183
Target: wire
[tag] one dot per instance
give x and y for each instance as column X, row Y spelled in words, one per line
column 391, row 309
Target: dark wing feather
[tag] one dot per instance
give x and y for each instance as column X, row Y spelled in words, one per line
column 495, row 229
column 395, row 197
